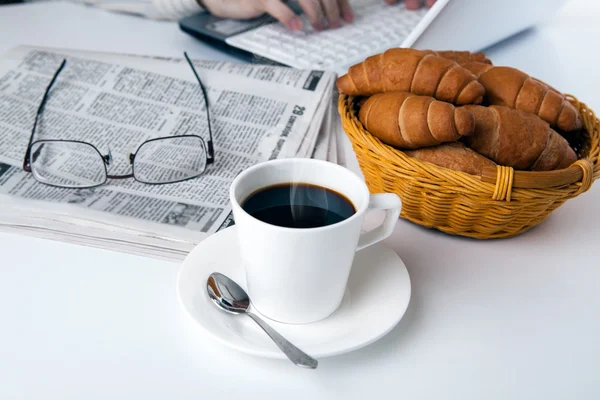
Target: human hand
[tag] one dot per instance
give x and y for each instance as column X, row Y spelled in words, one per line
column 321, row 13
column 414, row 4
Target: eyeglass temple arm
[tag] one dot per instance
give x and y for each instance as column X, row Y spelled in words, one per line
column 211, row 151
column 26, row 160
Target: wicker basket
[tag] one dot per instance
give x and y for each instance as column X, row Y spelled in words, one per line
column 501, row 203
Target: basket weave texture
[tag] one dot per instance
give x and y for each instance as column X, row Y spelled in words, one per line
column 461, row 204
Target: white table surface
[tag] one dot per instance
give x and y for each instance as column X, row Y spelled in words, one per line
column 504, row 319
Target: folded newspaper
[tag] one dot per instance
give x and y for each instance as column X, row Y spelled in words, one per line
column 116, row 102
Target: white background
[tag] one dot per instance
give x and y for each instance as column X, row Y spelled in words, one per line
column 504, row 319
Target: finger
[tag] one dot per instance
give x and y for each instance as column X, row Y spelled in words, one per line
column 413, row 4
column 429, row 3
column 332, row 12
column 283, row 14
column 314, row 12
column 346, row 10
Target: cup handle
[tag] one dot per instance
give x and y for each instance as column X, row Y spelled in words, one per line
column 384, row 201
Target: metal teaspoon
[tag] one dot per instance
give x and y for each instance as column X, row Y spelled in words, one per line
column 230, row 297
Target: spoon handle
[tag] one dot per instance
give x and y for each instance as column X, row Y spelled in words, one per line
column 295, row 355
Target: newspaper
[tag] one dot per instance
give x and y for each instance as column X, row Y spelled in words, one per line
column 116, row 102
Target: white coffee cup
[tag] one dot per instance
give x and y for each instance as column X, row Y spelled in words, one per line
column 299, row 275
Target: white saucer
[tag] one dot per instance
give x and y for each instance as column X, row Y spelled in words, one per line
column 376, row 298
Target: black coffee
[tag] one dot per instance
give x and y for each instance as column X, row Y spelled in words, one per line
column 298, row 205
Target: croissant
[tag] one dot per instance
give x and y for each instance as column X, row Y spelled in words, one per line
column 408, row 121
column 513, row 88
column 462, row 57
column 518, row 139
column 408, row 70
column 455, row 156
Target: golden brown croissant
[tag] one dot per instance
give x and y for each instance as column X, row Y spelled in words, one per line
column 408, row 70
column 518, row 139
column 462, row 57
column 408, row 121
column 455, row 156
column 513, row 88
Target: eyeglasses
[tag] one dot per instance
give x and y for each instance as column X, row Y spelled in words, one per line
column 78, row 165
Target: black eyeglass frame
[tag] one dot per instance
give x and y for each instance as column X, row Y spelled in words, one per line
column 208, row 146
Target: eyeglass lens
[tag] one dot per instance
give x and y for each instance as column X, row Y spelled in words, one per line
column 170, row 159
column 67, row 164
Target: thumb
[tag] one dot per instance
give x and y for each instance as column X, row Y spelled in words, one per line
column 283, row 14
